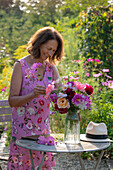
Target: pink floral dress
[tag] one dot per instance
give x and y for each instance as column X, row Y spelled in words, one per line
column 30, row 119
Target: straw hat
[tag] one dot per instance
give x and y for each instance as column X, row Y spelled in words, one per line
column 95, row 132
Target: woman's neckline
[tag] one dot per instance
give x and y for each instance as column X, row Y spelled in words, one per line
column 37, row 62
column 29, row 61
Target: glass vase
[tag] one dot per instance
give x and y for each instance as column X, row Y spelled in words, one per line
column 72, row 127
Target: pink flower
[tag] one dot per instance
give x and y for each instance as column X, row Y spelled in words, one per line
column 46, row 141
column 97, row 60
column 108, row 76
column 105, row 70
column 35, row 66
column 89, row 59
column 110, row 84
column 50, row 140
column 41, row 140
column 4, row 88
column 77, row 61
column 77, row 99
column 97, row 75
column 80, row 86
column 104, row 83
column 76, row 72
column 54, row 97
column 49, row 89
column 87, row 74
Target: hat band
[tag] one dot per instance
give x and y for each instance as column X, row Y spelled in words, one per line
column 96, row 136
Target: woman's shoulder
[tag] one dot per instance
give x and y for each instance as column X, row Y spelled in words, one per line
column 25, row 58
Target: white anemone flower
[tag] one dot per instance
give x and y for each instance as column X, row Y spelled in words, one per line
column 20, row 111
column 29, row 125
column 65, row 87
column 61, row 95
column 31, row 111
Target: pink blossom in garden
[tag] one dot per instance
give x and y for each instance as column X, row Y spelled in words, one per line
column 105, row 70
column 76, row 72
column 89, row 59
column 97, row 60
column 87, row 74
column 80, row 86
column 65, row 77
column 108, row 76
column 4, row 88
column 76, row 78
column 97, row 75
column 77, row 61
column 71, row 77
column 110, row 84
column 104, row 83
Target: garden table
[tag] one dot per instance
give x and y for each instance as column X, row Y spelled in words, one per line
column 64, row 148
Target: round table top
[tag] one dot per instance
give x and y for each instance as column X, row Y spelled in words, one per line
column 62, row 147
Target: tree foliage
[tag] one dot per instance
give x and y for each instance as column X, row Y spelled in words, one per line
column 4, row 4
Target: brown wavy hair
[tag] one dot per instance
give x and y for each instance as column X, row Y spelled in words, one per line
column 42, row 36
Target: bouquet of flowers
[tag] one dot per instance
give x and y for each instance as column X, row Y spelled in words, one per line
column 70, row 98
column 71, row 95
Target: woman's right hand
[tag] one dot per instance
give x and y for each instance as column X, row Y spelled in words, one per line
column 39, row 90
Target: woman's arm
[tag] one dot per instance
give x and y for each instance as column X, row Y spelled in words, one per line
column 56, row 77
column 16, row 82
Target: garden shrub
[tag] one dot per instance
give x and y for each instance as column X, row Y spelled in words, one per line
column 96, row 35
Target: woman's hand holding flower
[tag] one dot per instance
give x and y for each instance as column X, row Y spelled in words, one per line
column 39, row 90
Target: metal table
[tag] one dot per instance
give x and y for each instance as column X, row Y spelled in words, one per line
column 64, row 148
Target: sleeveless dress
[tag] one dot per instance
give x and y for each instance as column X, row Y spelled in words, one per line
column 30, row 119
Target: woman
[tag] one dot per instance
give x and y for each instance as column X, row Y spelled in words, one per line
column 31, row 76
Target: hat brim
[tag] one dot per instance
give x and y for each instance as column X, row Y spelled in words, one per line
column 84, row 138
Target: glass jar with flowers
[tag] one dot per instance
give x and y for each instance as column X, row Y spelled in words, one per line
column 72, row 127
column 70, row 99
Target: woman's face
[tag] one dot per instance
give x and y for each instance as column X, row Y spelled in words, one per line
column 48, row 49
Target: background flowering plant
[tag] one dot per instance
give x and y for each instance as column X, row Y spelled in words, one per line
column 72, row 95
